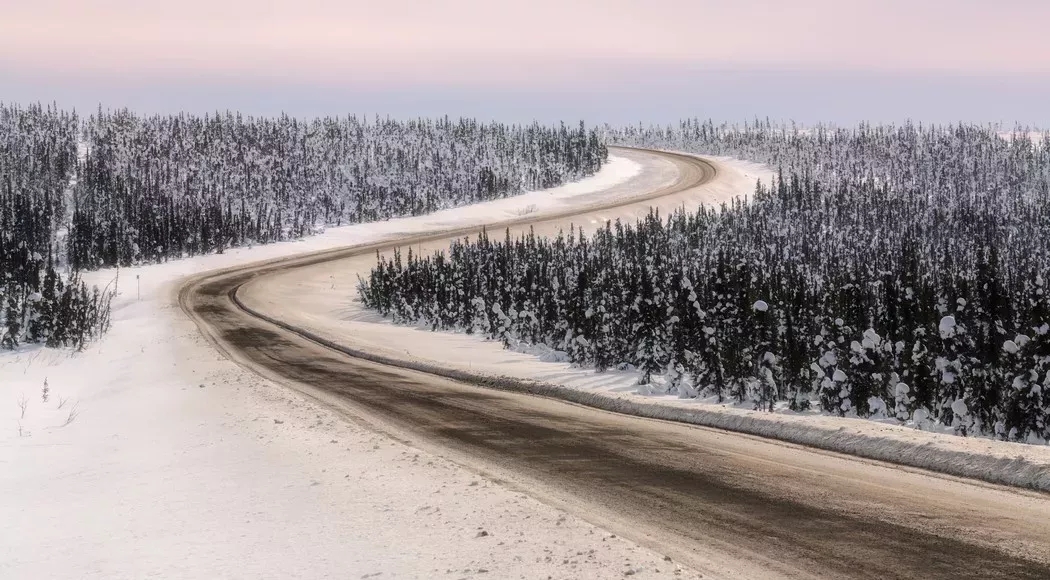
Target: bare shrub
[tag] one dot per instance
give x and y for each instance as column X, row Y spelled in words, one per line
column 74, row 412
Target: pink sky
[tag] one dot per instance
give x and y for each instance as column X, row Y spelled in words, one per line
column 505, row 42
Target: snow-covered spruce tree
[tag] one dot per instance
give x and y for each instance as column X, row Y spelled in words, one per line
column 709, row 368
column 650, row 309
column 952, row 368
column 604, row 304
column 686, row 324
column 918, row 372
column 1026, row 402
column 765, row 389
column 738, row 356
column 993, row 314
column 798, row 322
column 831, row 383
column 870, row 360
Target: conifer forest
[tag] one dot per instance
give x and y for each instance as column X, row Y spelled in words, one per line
column 889, row 272
column 162, row 187
column 118, row 189
column 38, row 302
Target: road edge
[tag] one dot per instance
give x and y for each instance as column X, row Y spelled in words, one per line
column 1016, row 472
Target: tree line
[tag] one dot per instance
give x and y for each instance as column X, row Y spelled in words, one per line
column 163, row 187
column 119, row 189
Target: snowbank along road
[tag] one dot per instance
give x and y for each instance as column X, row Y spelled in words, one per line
column 729, row 505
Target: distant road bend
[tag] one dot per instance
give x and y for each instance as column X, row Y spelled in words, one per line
column 726, row 504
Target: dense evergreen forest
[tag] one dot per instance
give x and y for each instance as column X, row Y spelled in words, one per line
column 120, row 189
column 155, row 188
column 889, row 272
column 38, row 304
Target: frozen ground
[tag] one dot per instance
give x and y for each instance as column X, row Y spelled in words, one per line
column 323, row 300
column 154, row 456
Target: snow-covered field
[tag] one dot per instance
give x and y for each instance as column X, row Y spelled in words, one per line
column 154, row 456
column 333, row 311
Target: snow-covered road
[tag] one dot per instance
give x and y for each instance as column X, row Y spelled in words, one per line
column 178, row 463
column 727, row 504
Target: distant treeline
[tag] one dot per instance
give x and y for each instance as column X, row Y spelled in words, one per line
column 156, row 188
column 119, row 189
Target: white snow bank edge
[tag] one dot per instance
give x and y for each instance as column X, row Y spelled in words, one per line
column 1016, row 472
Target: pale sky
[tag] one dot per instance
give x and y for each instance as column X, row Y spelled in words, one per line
column 629, row 59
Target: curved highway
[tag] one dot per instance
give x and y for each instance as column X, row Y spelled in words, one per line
column 726, row 504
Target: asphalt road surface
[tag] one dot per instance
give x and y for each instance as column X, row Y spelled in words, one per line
column 726, row 504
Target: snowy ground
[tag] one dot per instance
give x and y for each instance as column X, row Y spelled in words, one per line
column 333, row 312
column 154, row 456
